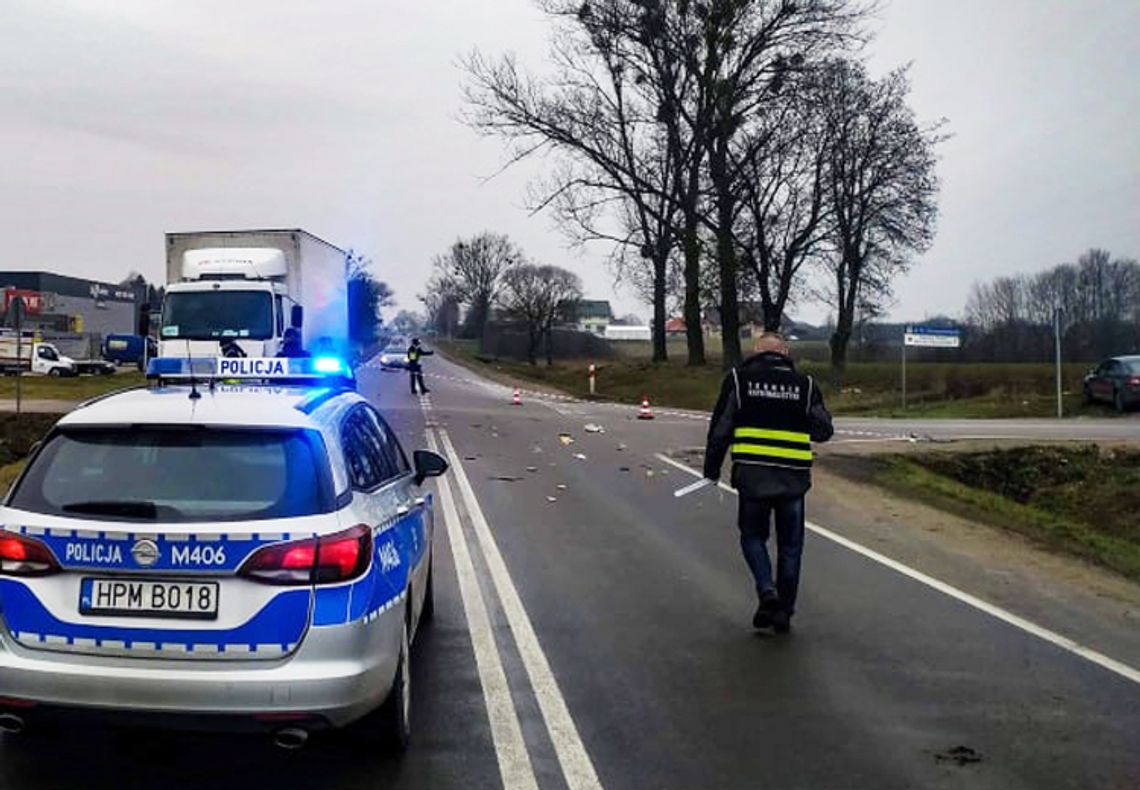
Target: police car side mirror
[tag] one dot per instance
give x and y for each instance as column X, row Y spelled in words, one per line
column 428, row 464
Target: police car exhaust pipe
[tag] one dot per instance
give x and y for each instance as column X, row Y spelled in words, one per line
column 290, row 738
column 11, row 724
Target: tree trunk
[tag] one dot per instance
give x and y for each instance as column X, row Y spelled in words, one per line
column 726, row 257
column 840, row 339
column 660, row 270
column 549, row 346
column 532, row 345
column 847, row 288
column 694, row 332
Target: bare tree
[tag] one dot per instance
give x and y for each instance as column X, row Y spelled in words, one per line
column 470, row 272
column 621, row 148
column 883, row 189
column 537, row 296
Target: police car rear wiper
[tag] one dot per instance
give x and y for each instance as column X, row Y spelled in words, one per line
column 129, row 508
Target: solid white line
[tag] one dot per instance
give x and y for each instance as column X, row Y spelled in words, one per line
column 515, row 767
column 1063, row 642
column 577, row 768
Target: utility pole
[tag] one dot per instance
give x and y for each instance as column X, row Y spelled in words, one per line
column 1057, row 342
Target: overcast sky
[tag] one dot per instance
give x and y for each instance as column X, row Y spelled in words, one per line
column 123, row 119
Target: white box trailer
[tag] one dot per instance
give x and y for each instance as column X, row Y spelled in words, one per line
column 243, row 289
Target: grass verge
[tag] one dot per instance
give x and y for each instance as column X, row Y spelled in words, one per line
column 1077, row 500
column 69, row 389
column 9, row 473
column 942, row 390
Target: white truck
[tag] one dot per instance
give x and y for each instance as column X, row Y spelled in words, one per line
column 30, row 354
column 237, row 293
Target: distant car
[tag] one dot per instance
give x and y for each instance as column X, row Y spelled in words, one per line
column 1115, row 381
column 394, row 358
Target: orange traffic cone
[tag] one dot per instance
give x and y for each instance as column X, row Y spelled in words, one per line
column 645, row 413
column 516, row 399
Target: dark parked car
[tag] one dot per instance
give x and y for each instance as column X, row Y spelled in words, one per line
column 1116, row 381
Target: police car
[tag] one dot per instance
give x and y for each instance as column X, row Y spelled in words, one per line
column 244, row 544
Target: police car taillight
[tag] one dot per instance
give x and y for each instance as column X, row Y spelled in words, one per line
column 326, row 560
column 20, row 556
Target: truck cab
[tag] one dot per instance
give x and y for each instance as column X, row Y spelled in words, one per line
column 230, row 302
column 47, row 360
column 29, row 354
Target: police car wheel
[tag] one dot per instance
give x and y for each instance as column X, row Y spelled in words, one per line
column 394, row 717
column 427, row 612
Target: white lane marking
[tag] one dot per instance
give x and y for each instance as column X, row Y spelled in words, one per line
column 1063, row 642
column 577, row 768
column 515, row 767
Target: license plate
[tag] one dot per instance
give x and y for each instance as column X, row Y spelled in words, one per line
column 134, row 598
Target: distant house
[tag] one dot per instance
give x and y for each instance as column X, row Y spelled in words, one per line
column 594, row 315
column 674, row 327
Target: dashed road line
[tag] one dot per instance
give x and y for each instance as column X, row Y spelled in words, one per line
column 1029, row 627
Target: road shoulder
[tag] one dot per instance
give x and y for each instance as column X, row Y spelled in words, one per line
column 1091, row 605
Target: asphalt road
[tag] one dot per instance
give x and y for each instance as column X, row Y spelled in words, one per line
column 592, row 631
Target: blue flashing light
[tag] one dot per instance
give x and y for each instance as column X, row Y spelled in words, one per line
column 329, row 365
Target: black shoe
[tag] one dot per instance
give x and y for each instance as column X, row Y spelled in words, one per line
column 425, row 392
column 781, row 621
column 762, row 618
column 769, row 603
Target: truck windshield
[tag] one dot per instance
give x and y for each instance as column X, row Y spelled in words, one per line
column 210, row 315
column 178, row 475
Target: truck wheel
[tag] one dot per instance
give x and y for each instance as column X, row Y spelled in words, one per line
column 55, row 372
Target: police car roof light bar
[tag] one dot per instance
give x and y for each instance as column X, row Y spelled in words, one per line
column 324, row 371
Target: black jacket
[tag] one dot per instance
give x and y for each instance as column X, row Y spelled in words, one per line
column 420, row 351
column 752, row 480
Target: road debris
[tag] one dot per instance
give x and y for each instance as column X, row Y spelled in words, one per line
column 621, row 446
column 580, row 456
column 532, row 468
column 593, row 427
column 552, row 499
column 561, row 486
column 623, row 468
column 959, row 755
column 506, row 478
column 566, row 439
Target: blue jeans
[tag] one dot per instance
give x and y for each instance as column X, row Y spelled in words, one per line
column 755, row 524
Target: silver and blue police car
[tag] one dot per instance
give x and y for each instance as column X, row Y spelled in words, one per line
column 219, row 553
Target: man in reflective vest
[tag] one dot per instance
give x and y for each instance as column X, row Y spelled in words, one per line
column 415, row 370
column 767, row 415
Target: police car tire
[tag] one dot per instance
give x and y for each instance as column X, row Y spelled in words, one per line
column 427, row 611
column 394, row 716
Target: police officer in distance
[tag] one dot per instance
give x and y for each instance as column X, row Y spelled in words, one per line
column 415, row 370
column 767, row 415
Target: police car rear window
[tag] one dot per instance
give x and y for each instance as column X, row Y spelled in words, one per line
column 176, row 475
